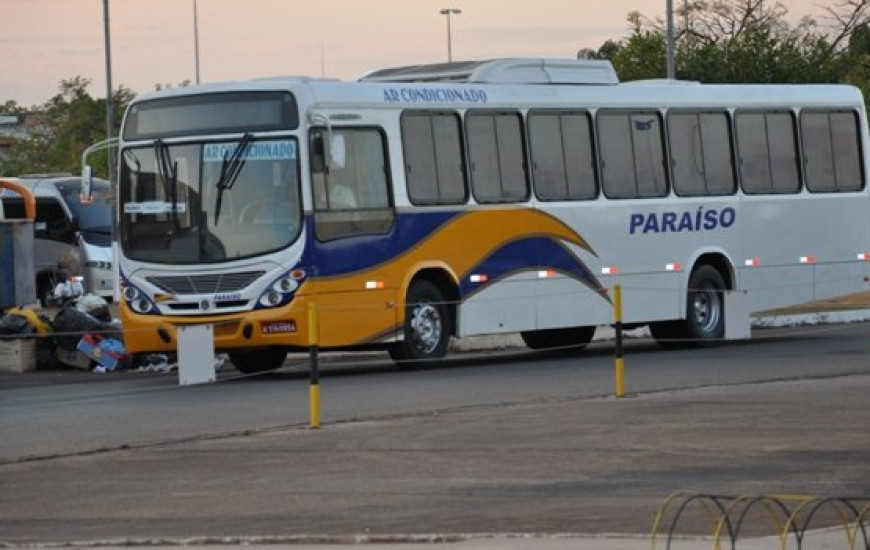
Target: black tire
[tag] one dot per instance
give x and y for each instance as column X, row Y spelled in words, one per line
column 669, row 334
column 573, row 337
column 705, row 306
column 427, row 327
column 261, row 360
column 704, row 325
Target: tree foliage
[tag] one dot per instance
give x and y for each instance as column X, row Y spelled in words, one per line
column 748, row 41
column 58, row 131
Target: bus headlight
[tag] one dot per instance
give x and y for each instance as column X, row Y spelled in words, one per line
column 271, row 299
column 281, row 290
column 130, row 293
column 137, row 300
column 141, row 305
column 285, row 284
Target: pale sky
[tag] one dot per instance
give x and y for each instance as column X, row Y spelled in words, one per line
column 152, row 41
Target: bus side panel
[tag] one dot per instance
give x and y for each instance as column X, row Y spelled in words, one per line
column 775, row 286
column 359, row 317
column 840, row 279
column 649, row 247
column 567, row 302
column 506, row 306
column 841, row 268
column 797, row 262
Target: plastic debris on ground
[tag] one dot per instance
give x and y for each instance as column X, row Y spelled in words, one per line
column 157, row 362
column 107, row 353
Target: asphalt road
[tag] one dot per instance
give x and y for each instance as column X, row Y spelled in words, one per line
column 490, row 443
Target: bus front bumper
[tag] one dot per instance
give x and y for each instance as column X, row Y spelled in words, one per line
column 285, row 327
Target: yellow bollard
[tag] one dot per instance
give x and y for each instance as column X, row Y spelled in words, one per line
column 314, row 400
column 314, row 384
column 619, row 364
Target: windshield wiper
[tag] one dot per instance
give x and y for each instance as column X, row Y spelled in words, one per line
column 231, row 166
column 169, row 174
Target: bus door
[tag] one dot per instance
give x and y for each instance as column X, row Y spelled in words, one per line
column 353, row 226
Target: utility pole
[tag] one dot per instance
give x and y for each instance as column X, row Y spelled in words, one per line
column 671, row 45
column 110, row 105
column 196, row 41
column 448, row 12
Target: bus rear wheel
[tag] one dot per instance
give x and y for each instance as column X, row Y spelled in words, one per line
column 574, row 337
column 261, row 360
column 427, row 326
column 704, row 325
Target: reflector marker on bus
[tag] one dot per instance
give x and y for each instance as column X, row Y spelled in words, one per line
column 864, row 256
column 478, row 278
column 752, row 262
column 609, row 270
column 808, row 259
column 373, row 285
column 546, row 273
column 675, row 266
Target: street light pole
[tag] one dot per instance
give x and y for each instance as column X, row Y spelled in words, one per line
column 196, row 41
column 110, row 107
column 448, row 12
column 671, row 46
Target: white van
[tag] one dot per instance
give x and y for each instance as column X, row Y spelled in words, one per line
column 70, row 236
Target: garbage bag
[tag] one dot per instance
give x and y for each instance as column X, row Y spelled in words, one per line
column 94, row 306
column 70, row 324
column 15, row 325
column 20, row 321
column 37, row 320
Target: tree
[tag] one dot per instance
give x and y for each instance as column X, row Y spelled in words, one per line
column 59, row 130
column 750, row 41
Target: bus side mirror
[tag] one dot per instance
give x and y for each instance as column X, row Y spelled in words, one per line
column 86, row 194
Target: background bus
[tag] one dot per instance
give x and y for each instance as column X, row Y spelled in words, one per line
column 482, row 198
column 69, row 235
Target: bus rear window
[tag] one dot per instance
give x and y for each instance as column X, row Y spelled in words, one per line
column 219, row 113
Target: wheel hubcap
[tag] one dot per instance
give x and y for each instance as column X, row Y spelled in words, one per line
column 707, row 306
column 426, row 327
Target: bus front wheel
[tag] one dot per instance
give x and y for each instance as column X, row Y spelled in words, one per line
column 261, row 360
column 427, row 326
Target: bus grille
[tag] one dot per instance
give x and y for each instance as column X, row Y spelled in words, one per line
column 205, row 284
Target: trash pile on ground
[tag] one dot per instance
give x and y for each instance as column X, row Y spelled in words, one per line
column 82, row 334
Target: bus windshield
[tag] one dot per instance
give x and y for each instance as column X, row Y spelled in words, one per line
column 94, row 217
column 209, row 201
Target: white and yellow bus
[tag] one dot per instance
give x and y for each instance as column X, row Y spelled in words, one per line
column 508, row 196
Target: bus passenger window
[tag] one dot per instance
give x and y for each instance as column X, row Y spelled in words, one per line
column 52, row 222
column 632, row 154
column 700, row 147
column 495, row 145
column 434, row 169
column 767, row 151
column 561, row 151
column 354, row 198
column 832, row 158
